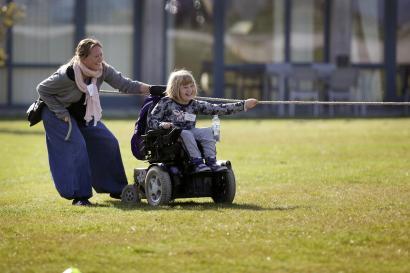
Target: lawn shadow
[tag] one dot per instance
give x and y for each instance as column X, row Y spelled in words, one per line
column 200, row 206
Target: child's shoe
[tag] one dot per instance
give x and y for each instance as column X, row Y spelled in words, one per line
column 215, row 167
column 199, row 166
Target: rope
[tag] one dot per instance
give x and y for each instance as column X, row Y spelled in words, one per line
column 294, row 102
column 312, row 102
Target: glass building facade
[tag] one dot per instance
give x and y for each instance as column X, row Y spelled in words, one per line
column 225, row 43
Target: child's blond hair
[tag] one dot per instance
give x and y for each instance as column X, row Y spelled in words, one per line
column 176, row 80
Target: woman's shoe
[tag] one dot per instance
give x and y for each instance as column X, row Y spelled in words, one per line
column 115, row 195
column 81, row 202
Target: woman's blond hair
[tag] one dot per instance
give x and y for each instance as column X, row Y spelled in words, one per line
column 84, row 49
column 176, row 80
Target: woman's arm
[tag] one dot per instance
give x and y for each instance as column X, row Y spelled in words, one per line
column 123, row 84
column 48, row 90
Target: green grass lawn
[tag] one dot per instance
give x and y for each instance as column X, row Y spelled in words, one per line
column 312, row 196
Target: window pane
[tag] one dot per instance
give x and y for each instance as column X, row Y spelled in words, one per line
column 111, row 23
column 278, row 21
column 254, row 31
column 190, row 37
column 370, row 85
column 307, row 30
column 3, row 86
column 45, row 34
column 24, row 91
column 367, row 31
column 403, row 32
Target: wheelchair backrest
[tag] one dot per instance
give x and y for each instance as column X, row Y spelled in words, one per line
column 137, row 142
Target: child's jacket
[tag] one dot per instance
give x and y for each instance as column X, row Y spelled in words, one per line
column 184, row 116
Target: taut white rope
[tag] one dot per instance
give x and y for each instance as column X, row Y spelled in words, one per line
column 313, row 102
column 273, row 102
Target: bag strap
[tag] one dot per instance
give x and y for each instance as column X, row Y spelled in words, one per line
column 70, row 73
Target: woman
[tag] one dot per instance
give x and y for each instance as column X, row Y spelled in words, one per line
column 91, row 157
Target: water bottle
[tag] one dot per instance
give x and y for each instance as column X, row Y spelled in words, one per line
column 216, row 127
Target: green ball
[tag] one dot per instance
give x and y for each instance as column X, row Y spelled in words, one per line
column 72, row 270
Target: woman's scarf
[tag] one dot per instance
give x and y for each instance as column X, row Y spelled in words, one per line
column 92, row 98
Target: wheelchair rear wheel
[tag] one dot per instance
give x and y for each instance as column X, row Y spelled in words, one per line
column 158, row 187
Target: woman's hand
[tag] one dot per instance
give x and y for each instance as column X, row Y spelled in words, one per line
column 250, row 103
column 144, row 88
column 66, row 118
column 166, row 125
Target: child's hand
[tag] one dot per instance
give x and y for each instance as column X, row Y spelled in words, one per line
column 250, row 103
column 166, row 125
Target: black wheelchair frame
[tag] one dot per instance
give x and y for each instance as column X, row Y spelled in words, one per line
column 170, row 174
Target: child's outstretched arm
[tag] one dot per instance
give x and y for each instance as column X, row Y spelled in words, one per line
column 207, row 108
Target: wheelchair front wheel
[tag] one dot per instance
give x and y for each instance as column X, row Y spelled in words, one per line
column 225, row 191
column 130, row 195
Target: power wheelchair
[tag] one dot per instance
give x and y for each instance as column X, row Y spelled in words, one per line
column 170, row 174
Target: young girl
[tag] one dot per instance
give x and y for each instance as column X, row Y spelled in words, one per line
column 178, row 109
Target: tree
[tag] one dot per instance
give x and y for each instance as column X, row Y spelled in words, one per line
column 9, row 14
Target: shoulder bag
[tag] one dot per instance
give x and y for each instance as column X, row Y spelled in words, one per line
column 34, row 112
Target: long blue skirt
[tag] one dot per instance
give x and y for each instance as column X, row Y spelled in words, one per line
column 89, row 159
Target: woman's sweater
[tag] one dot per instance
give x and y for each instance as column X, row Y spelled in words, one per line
column 59, row 91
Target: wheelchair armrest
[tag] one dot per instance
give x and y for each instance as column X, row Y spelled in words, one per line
column 174, row 134
column 158, row 132
column 163, row 136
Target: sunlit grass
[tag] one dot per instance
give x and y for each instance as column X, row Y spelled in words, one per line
column 312, row 196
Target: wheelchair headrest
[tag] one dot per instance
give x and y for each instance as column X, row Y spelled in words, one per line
column 157, row 90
